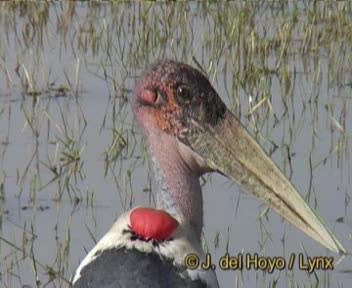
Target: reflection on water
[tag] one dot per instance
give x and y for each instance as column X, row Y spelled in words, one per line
column 72, row 159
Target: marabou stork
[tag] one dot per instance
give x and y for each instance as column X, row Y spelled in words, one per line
column 190, row 132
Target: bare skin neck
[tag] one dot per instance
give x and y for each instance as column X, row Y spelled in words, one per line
column 177, row 173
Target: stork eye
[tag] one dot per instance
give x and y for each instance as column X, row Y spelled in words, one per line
column 183, row 93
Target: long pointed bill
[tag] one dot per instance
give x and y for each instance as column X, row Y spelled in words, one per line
column 231, row 150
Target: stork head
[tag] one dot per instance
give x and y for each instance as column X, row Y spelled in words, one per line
column 172, row 95
column 177, row 100
column 170, row 98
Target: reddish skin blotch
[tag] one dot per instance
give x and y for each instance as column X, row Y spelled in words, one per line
column 152, row 224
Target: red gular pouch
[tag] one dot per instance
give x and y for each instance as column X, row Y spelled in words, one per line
column 153, row 224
